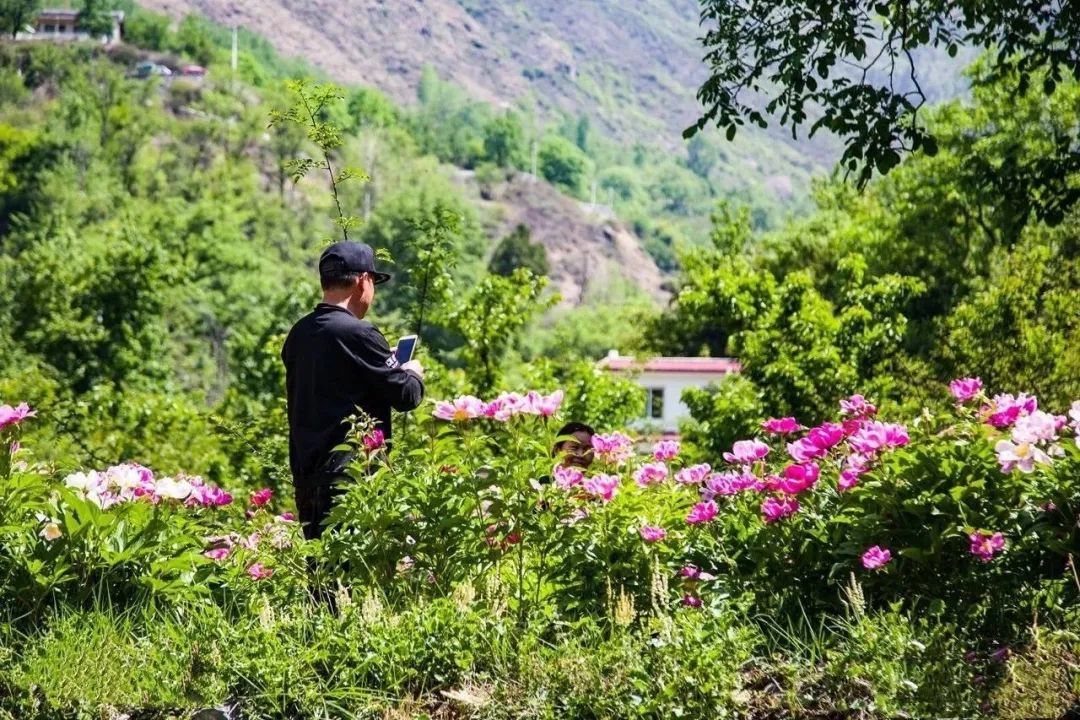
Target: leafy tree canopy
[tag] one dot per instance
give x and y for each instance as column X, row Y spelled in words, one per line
column 853, row 68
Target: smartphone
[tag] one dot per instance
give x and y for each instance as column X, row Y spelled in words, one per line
column 406, row 346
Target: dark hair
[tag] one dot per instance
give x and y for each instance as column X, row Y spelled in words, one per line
column 575, row 427
column 334, row 275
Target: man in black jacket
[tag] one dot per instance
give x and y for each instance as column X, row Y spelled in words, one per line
column 336, row 363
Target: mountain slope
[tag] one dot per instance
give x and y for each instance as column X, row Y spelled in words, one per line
column 631, row 65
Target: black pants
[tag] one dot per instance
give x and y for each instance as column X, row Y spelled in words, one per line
column 314, row 497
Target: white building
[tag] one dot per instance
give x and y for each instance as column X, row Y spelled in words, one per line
column 663, row 380
column 59, row 24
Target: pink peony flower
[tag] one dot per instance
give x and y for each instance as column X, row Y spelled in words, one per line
column 1035, row 427
column 567, row 476
column 261, row 497
column 503, row 407
column 805, row 450
column 826, row 435
column 460, row 409
column 691, row 601
column 857, row 406
column 374, row 440
column 964, row 389
column 874, row 436
column 259, row 572
column 745, row 452
column 11, row 416
column 985, row 546
column 548, row 405
column 665, row 450
column 798, row 478
column 1025, row 456
column 775, row 508
column 855, row 466
column 650, row 473
column 729, row 483
column 876, row 558
column 693, row 475
column 690, row 572
column 652, row 534
column 702, row 512
column 602, row 486
column 613, row 449
column 218, row 553
column 781, row 426
column 285, row 517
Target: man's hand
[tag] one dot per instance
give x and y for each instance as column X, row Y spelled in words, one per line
column 414, row 366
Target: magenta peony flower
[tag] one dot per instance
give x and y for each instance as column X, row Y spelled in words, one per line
column 11, row 416
column 855, row 466
column 691, row 601
column 652, row 534
column 690, row 572
column 218, row 553
column 985, row 546
column 259, row 572
column 602, row 486
column 857, row 406
column 805, row 450
column 826, row 435
column 1004, row 409
column 798, row 478
column 774, row 508
column 964, row 389
column 693, row 475
column 460, row 409
column 876, row 558
column 665, row 450
column 285, row 517
column 374, row 440
column 650, row 473
column 745, row 452
column 781, row 426
column 567, row 476
column 702, row 512
column 261, row 497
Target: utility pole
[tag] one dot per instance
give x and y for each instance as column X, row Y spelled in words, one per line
column 234, row 49
column 369, row 166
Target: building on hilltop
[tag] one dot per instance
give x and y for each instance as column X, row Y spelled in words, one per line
column 663, row 380
column 61, row 25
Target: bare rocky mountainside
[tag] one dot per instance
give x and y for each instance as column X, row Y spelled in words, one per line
column 633, row 66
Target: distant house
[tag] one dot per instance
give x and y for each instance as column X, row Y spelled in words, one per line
column 663, row 380
column 59, row 25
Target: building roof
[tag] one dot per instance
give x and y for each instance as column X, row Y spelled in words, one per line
column 67, row 14
column 703, row 365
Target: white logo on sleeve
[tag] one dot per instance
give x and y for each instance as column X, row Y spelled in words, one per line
column 391, row 362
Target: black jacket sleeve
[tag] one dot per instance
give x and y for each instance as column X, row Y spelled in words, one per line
column 403, row 389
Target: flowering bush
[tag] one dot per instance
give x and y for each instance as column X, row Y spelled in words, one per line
column 937, row 508
column 784, row 516
column 125, row 532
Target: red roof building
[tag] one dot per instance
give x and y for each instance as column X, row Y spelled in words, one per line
column 663, row 380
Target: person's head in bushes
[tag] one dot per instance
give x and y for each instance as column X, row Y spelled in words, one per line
column 574, row 445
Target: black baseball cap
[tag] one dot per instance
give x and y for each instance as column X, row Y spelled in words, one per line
column 355, row 256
